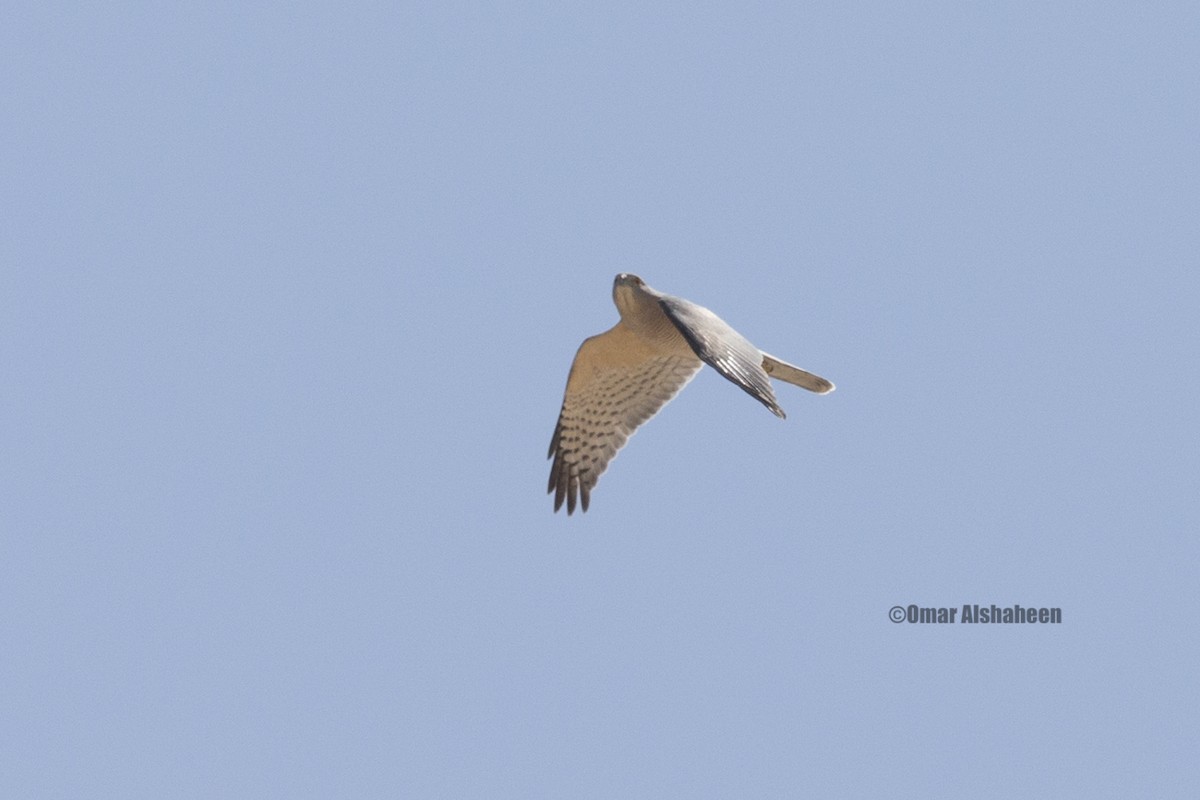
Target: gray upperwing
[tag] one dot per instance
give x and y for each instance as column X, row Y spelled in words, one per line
column 722, row 348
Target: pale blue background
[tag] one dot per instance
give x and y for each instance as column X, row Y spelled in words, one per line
column 289, row 297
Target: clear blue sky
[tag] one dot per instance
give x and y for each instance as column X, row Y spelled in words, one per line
column 289, row 294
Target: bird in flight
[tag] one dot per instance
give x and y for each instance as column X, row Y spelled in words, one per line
column 622, row 377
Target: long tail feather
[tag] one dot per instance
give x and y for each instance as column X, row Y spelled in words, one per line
column 795, row 376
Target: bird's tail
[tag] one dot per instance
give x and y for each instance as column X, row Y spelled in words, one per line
column 792, row 374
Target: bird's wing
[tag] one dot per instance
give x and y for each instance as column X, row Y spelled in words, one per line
column 722, row 348
column 617, row 382
column 781, row 370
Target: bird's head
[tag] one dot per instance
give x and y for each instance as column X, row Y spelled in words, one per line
column 627, row 287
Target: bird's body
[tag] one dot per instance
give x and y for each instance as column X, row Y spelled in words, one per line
column 622, row 377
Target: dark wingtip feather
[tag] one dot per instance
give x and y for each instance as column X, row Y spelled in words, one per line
column 554, row 438
column 558, row 480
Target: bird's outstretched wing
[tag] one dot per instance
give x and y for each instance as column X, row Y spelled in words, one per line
column 722, row 348
column 618, row 381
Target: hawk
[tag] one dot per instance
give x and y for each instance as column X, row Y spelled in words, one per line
column 622, row 377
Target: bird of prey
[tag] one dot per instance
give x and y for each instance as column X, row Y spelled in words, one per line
column 622, row 377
